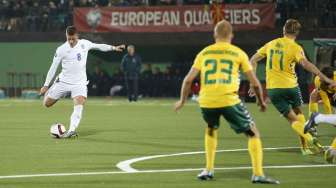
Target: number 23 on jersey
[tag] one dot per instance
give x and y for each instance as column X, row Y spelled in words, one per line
column 218, row 71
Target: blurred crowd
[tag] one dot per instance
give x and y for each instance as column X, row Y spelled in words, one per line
column 55, row 15
column 153, row 82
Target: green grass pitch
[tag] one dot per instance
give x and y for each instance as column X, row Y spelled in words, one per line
column 115, row 130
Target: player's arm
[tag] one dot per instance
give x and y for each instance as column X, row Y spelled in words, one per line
column 255, row 59
column 301, row 59
column 258, row 56
column 51, row 73
column 106, row 47
column 257, row 89
column 261, row 54
column 186, row 87
column 313, row 69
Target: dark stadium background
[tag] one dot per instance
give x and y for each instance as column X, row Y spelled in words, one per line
column 30, row 31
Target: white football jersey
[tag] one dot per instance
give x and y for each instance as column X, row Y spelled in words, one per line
column 73, row 61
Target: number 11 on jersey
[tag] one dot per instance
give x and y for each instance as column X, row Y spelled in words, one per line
column 278, row 55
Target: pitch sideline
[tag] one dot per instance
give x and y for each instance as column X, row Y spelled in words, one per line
column 127, row 169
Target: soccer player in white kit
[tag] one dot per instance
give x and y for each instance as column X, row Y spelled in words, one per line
column 72, row 79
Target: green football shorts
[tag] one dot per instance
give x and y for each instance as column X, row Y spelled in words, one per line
column 284, row 99
column 237, row 116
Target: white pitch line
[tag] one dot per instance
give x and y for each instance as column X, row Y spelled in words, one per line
column 127, row 169
column 126, row 165
column 62, row 174
column 160, row 171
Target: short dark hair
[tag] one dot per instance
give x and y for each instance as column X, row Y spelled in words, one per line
column 71, row 30
column 292, row 27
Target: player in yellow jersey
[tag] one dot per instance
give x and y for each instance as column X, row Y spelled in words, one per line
column 323, row 92
column 281, row 82
column 219, row 65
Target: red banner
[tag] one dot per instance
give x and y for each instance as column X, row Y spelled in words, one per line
column 173, row 18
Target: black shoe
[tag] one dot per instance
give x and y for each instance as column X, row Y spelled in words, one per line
column 264, row 180
column 311, row 122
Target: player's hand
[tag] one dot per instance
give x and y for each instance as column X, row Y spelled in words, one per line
column 43, row 90
column 251, row 92
column 119, row 48
column 178, row 105
column 262, row 106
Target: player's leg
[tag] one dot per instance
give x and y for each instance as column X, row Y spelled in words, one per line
column 241, row 122
column 255, row 150
column 128, row 87
column 256, row 155
column 298, row 120
column 297, row 125
column 325, row 118
column 49, row 102
column 211, row 117
column 79, row 95
column 283, row 100
column 295, row 100
column 310, row 145
column 316, row 118
column 54, row 93
column 135, row 88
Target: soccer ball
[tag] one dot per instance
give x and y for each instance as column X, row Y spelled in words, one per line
column 330, row 155
column 57, row 130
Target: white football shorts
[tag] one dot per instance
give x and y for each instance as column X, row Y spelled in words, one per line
column 61, row 89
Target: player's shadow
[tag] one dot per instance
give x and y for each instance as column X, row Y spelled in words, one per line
column 289, row 150
column 136, row 142
column 233, row 174
column 87, row 133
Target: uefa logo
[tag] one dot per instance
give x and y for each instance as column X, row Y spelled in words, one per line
column 93, row 18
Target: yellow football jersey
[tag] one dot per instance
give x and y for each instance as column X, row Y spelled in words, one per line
column 219, row 66
column 282, row 55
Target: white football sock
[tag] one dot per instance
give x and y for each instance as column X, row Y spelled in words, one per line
column 75, row 117
column 326, row 118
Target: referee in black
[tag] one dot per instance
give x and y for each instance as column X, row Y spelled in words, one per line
column 131, row 66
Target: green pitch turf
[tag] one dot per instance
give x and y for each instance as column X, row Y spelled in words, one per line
column 115, row 130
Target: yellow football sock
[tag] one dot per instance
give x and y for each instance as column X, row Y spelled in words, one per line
column 303, row 142
column 313, row 107
column 333, row 145
column 210, row 148
column 298, row 127
column 301, row 118
column 256, row 154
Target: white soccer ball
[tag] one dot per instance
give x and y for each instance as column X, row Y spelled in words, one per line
column 57, row 130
